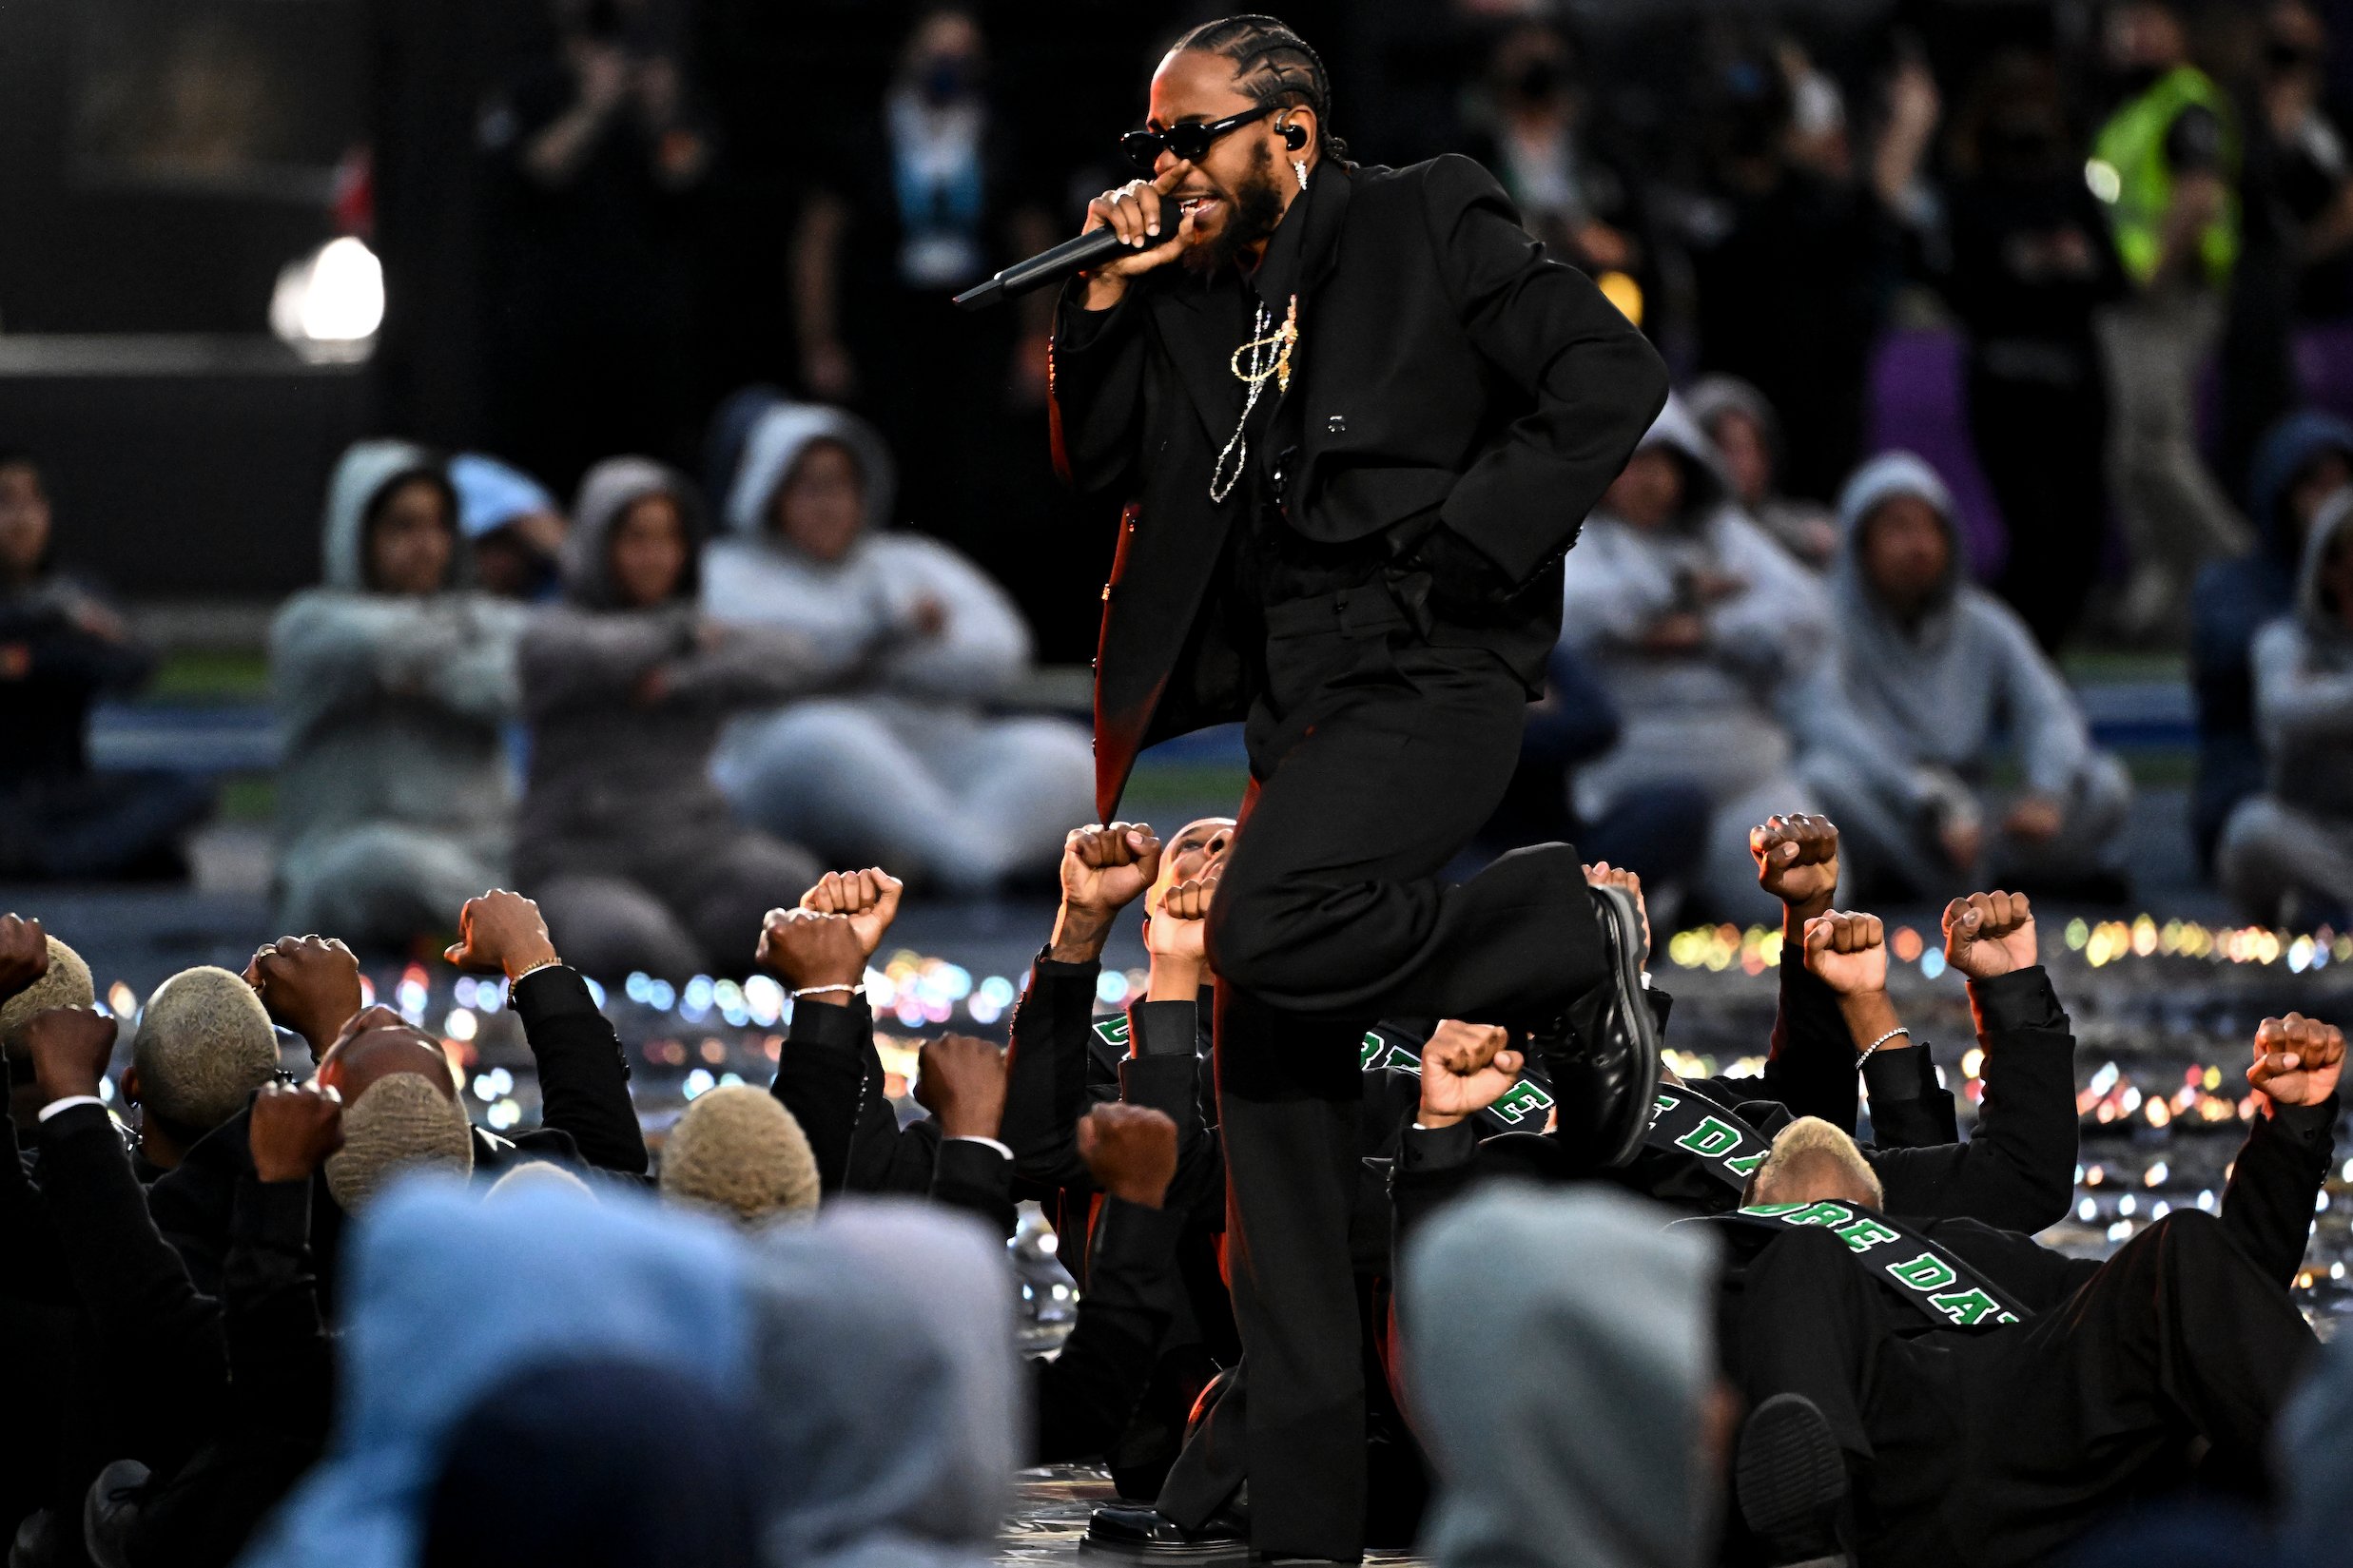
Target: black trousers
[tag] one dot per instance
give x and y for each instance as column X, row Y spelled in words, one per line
column 1374, row 757
column 2001, row 1446
column 2041, row 447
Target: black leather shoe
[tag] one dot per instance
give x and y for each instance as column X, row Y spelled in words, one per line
column 1115, row 1530
column 1602, row 1056
column 1792, row 1482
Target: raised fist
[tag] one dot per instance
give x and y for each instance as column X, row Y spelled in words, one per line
column 804, row 948
column 1798, row 861
column 310, row 985
column 1466, row 1067
column 23, row 955
column 2297, row 1060
column 1847, row 952
column 501, row 933
column 70, row 1047
column 295, row 1127
column 1990, row 934
column 1131, row 1152
column 1179, row 928
column 1105, row 870
column 870, row 899
column 961, row 1081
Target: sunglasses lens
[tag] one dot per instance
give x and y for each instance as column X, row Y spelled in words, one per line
column 1188, row 141
column 1142, row 148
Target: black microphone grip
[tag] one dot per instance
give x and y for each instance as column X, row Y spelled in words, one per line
column 1091, row 249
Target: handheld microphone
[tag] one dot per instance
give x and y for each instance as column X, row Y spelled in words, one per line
column 1091, row 249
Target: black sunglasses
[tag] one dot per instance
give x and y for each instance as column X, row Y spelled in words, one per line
column 1189, row 142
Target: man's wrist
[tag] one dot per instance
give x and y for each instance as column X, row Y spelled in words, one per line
column 57, row 1093
column 58, row 1105
column 1434, row 1121
column 1869, row 1015
column 827, row 990
column 1140, row 1194
column 1101, row 292
column 1172, row 980
column 535, row 956
column 1079, row 933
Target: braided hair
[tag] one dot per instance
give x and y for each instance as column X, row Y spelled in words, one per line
column 1272, row 65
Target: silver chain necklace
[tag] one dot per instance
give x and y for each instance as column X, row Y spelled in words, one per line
column 1268, row 360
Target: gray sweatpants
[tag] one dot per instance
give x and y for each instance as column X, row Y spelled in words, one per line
column 2273, row 853
column 1882, row 840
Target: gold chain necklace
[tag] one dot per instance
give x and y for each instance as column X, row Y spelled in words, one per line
column 1268, row 359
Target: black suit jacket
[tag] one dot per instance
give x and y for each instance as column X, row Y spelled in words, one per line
column 1447, row 369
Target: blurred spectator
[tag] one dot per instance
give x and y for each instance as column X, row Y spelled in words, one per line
column 1577, row 191
column 1560, row 1347
column 511, row 523
column 634, row 857
column 62, row 648
column 2031, row 265
column 2287, row 855
column 2302, row 462
column 588, row 286
column 2311, row 172
column 903, row 768
column 2166, row 163
column 922, row 202
column 1930, row 675
column 1748, row 443
column 599, row 1462
column 1699, row 627
column 391, row 683
column 1791, row 266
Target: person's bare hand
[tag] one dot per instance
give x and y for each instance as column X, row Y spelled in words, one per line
column 1603, row 873
column 927, row 617
column 1990, row 934
column 961, row 1081
column 1798, row 861
column 70, row 1047
column 1847, row 952
column 501, row 933
column 828, row 370
column 23, row 955
column 1677, row 632
column 868, row 898
column 1961, row 839
column 1711, row 587
column 804, row 949
column 1104, row 869
column 2297, row 1060
column 310, row 985
column 1130, row 1151
column 1466, row 1067
column 1177, row 930
column 1140, row 214
column 293, row 1129
column 2035, row 819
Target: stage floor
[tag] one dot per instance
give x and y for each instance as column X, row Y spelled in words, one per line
column 1051, row 1518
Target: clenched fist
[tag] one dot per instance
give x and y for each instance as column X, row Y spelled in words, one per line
column 1131, row 1152
column 1466, row 1067
column 310, row 985
column 961, row 1081
column 868, row 898
column 501, row 933
column 1847, row 952
column 1798, row 861
column 1990, row 934
column 23, row 955
column 295, row 1127
column 70, row 1047
column 2297, row 1060
column 805, row 949
column 1104, row 869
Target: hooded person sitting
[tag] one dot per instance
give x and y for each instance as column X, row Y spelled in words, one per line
column 204, row 1044
column 1929, row 677
column 902, row 765
column 512, row 526
column 1699, row 628
column 636, row 860
column 2303, row 460
column 2287, row 854
column 1747, row 435
column 392, row 683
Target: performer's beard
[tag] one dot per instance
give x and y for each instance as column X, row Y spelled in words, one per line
column 1252, row 211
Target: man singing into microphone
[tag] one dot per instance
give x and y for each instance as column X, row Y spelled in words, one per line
column 1361, row 416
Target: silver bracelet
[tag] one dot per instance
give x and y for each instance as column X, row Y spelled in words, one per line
column 1875, row 1045
column 821, row 989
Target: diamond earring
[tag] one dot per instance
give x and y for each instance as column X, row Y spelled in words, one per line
column 1298, row 167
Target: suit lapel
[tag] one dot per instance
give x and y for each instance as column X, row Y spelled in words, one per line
column 1201, row 333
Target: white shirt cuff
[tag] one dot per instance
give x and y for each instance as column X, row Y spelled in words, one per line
column 70, row 1101
column 965, row 1139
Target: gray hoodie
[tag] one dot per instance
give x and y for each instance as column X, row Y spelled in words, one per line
column 607, row 765
column 389, row 705
column 1912, row 705
column 1559, row 1352
column 868, row 599
column 2303, row 683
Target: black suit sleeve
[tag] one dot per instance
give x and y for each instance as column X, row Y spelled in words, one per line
column 975, row 1178
column 1048, row 1072
column 1811, row 1067
column 2268, row 1203
column 831, row 1079
column 35, row 1268
column 1596, row 382
column 1086, row 1395
column 1094, row 380
column 1909, row 1108
column 2018, row 1172
column 583, row 1077
column 1434, row 1167
column 133, row 1282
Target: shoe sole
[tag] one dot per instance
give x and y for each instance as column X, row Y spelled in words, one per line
column 1218, row 1552
column 1790, row 1478
column 1627, row 955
